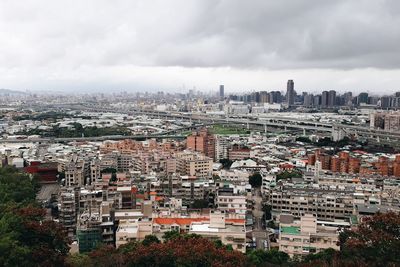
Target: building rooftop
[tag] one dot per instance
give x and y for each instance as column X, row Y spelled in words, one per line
column 290, row 230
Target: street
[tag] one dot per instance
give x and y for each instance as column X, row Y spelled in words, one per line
column 258, row 232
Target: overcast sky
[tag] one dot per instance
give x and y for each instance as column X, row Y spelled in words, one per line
column 180, row 44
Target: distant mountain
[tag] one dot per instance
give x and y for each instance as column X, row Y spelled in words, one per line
column 11, row 92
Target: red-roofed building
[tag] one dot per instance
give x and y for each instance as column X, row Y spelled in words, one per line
column 47, row 172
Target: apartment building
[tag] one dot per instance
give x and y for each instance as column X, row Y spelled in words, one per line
column 221, row 147
column 300, row 238
column 194, row 164
column 218, row 228
column 95, row 225
column 202, row 141
column 76, row 173
column 230, row 203
column 187, row 188
column 68, row 209
column 234, row 176
column 325, row 203
column 132, row 230
column 238, row 153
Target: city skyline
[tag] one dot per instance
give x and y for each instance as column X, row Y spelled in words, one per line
column 199, row 133
column 99, row 46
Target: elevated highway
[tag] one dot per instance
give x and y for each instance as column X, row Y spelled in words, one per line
column 284, row 122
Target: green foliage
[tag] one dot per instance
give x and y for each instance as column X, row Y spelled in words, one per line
column 329, row 142
column 376, row 241
column 216, row 177
column 289, row 174
column 255, row 180
column 150, row 239
column 260, row 257
column 272, row 224
column 109, row 170
column 26, row 238
column 267, row 211
column 200, row 204
column 228, row 130
column 303, row 139
column 51, row 115
column 78, row 131
column 326, row 255
column 226, row 163
column 78, row 260
column 16, row 187
column 190, row 250
column 171, row 235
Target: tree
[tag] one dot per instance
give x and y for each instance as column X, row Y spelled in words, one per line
column 16, row 187
column 376, row 241
column 200, row 204
column 261, row 257
column 171, row 235
column 325, row 256
column 289, row 174
column 108, row 170
column 26, row 238
column 267, row 211
column 272, row 224
column 226, row 163
column 150, row 239
column 187, row 250
column 255, row 180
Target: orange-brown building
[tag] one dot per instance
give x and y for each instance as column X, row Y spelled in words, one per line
column 325, row 160
column 335, row 164
column 344, row 165
column 311, row 159
column 202, row 141
column 237, row 153
column 354, row 165
column 396, row 166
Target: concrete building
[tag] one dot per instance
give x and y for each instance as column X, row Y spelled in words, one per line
column 68, row 209
column 217, row 228
column 132, row 230
column 230, row 203
column 300, row 238
column 332, row 98
column 202, row 141
column 290, row 93
column 238, row 153
column 221, row 92
column 194, row 164
column 324, row 99
column 76, row 173
column 221, row 147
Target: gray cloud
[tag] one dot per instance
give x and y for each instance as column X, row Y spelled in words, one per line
column 54, row 39
column 255, row 33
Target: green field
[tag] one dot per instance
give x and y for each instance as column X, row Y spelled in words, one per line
column 226, row 130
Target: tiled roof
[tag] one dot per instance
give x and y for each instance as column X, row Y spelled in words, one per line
column 188, row 221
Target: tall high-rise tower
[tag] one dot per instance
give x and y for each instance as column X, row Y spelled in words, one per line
column 332, row 98
column 221, row 92
column 290, row 93
column 324, row 99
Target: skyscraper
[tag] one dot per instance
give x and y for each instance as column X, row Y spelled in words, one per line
column 362, row 98
column 324, row 99
column 308, row 100
column 332, row 98
column 221, row 92
column 317, row 100
column 290, row 93
column 348, row 97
